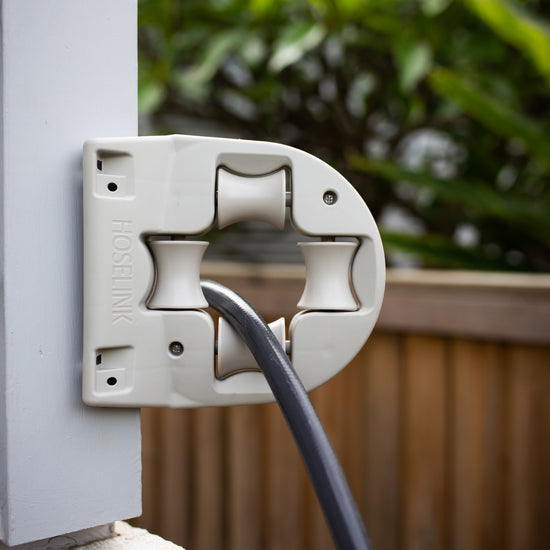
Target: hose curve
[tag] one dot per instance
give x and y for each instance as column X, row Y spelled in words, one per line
column 324, row 470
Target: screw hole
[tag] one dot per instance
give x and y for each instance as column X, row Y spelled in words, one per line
column 112, row 381
column 176, row 348
column 112, row 186
column 330, row 197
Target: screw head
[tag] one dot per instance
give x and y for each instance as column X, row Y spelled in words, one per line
column 330, row 197
column 176, row 348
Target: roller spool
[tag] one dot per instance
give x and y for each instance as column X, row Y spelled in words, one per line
column 233, row 354
column 328, row 276
column 251, row 198
column 177, row 284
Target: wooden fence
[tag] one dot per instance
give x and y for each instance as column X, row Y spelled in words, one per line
column 442, row 425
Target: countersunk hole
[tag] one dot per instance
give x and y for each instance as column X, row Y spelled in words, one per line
column 176, row 348
column 112, row 381
column 112, row 186
column 330, row 197
column 98, row 359
column 100, row 165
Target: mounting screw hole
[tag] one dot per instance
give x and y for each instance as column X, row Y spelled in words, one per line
column 112, row 186
column 112, row 381
column 330, row 197
column 176, row 348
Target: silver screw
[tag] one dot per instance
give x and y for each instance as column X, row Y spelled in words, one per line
column 176, row 348
column 330, row 197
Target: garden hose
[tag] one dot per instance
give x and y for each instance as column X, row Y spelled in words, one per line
column 324, row 470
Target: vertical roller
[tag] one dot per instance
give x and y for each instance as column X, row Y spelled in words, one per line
column 328, row 284
column 177, row 267
column 251, row 198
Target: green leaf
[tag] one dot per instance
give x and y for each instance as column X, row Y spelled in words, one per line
column 295, row 42
column 492, row 113
column 434, row 7
column 518, row 27
column 437, row 251
column 192, row 81
column 353, row 8
column 253, row 50
column 531, row 217
column 150, row 95
column 414, row 62
column 261, row 8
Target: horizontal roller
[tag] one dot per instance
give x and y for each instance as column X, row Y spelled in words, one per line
column 233, row 354
column 251, row 198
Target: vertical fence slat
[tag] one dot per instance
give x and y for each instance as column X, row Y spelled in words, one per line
column 354, row 426
column 173, row 463
column 478, row 431
column 424, row 443
column 207, row 484
column 528, row 521
column 285, row 516
column 245, row 494
column 382, row 430
column 329, row 402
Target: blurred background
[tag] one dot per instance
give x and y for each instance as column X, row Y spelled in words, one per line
column 438, row 112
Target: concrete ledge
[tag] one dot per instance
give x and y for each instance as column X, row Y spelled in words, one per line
column 126, row 537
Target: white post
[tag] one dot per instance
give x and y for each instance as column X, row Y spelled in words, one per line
column 69, row 71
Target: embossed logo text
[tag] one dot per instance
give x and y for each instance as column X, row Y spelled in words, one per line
column 122, row 271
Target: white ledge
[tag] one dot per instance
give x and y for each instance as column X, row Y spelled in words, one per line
column 127, row 537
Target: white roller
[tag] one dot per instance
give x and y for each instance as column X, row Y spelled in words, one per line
column 177, row 284
column 328, row 276
column 251, row 198
column 233, row 354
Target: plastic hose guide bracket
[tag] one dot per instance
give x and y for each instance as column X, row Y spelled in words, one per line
column 149, row 203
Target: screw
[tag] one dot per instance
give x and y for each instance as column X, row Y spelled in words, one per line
column 176, row 348
column 112, row 186
column 330, row 197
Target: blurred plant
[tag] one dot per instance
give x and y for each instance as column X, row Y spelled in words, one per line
column 437, row 111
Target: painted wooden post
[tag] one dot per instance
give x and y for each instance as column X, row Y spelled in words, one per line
column 69, row 72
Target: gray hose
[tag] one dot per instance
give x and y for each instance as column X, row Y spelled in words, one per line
column 324, row 470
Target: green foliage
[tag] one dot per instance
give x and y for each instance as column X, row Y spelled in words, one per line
column 493, row 113
column 477, row 196
column 435, row 109
column 518, row 27
column 296, row 40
